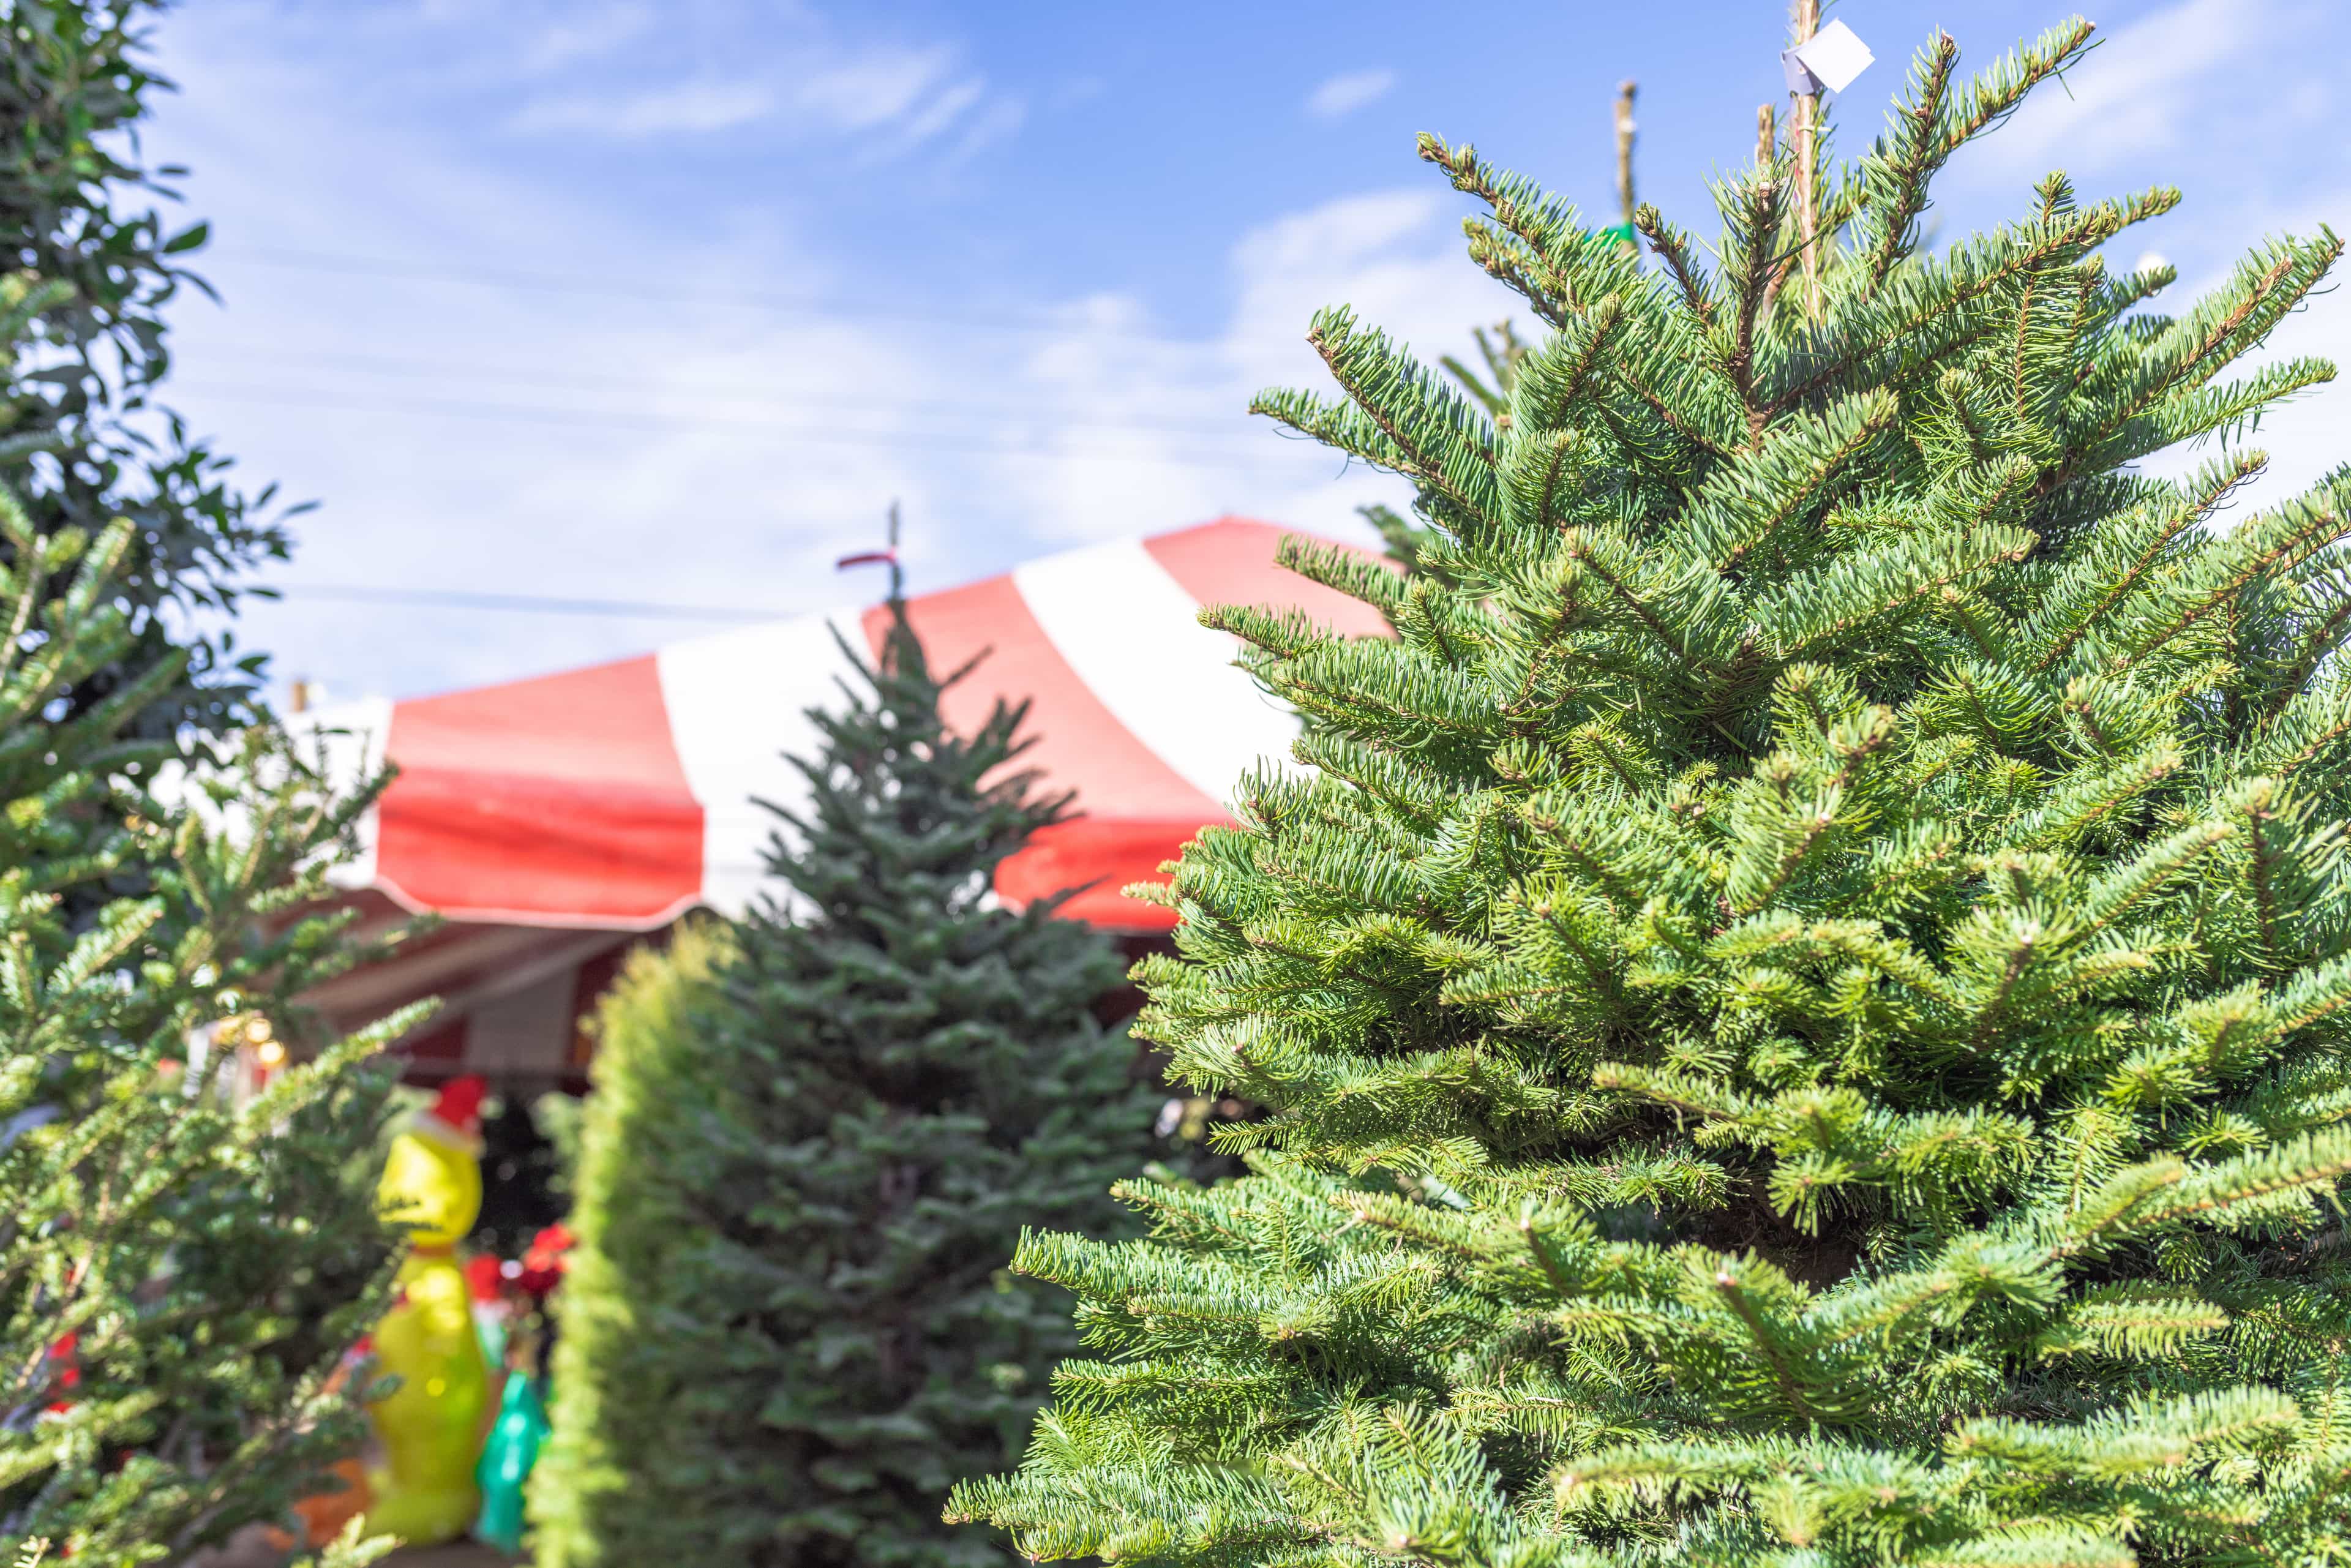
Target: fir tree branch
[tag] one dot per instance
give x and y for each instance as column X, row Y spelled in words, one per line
column 2270, row 844
column 1727, row 1285
column 1916, row 151
column 1514, row 266
column 1588, row 552
column 2288, row 536
column 1745, row 502
column 1755, row 227
column 2214, row 487
column 1967, row 286
column 2318, row 643
column 2000, row 91
column 1555, row 379
column 1674, row 248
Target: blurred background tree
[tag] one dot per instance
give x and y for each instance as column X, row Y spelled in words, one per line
column 183, row 1272
column 79, row 204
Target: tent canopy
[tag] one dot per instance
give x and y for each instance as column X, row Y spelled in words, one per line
column 537, row 813
column 619, row 795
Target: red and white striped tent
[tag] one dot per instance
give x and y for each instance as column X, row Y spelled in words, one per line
column 552, row 821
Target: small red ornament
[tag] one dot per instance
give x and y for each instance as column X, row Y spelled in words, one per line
column 482, row 1279
column 543, row 1265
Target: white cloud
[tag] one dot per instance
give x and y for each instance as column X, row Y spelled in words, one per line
column 1390, row 255
column 2142, row 88
column 693, row 106
column 1345, row 93
column 894, row 100
column 871, row 89
column 1347, row 230
column 941, row 112
column 1000, row 121
column 724, row 456
column 552, row 443
column 581, row 36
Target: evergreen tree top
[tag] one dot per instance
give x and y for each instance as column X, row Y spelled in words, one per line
column 895, row 793
column 810, row 1155
column 883, row 957
column 1805, row 996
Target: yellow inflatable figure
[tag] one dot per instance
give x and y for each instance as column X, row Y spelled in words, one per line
column 430, row 1428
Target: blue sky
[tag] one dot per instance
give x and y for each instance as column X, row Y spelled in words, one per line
column 665, row 299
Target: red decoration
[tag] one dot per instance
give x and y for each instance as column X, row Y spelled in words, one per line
column 482, row 1277
column 543, row 1265
column 459, row 1105
column 70, row 1375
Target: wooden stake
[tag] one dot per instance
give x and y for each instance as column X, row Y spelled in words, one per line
column 1767, row 153
column 1804, row 21
column 1624, row 91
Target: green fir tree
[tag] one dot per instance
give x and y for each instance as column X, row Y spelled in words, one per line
column 180, row 1275
column 1412, row 543
column 1809, row 996
column 791, row 1324
column 623, row 1385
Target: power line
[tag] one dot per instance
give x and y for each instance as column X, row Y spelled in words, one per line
column 615, row 420
column 527, row 603
column 478, row 374
column 525, row 282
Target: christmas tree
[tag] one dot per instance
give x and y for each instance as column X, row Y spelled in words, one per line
column 1805, row 994
column 621, row 1391
column 181, row 1276
column 790, row 1324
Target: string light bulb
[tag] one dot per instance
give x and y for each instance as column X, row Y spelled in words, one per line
column 270, row 1053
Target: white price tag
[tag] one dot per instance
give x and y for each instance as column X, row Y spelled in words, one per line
column 1828, row 60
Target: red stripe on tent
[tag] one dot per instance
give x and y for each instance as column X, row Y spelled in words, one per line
column 559, row 799
column 1230, row 562
column 1100, row 856
column 1080, row 745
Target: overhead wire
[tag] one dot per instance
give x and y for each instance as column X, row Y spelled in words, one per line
column 529, row 603
column 602, row 419
column 1032, row 323
column 526, row 282
column 741, row 392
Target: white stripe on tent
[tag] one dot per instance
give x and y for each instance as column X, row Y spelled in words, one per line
column 738, row 708
column 350, row 739
column 1133, row 635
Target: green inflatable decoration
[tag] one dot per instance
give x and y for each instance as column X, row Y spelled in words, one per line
column 507, row 1458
